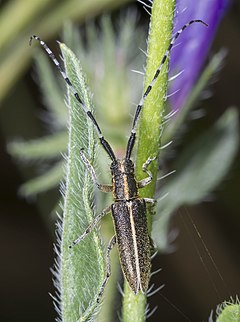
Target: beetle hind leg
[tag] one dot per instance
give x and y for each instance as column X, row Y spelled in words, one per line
column 108, row 273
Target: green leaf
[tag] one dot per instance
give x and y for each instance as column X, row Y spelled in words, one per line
column 47, row 147
column 228, row 311
column 103, row 51
column 45, row 18
column 46, row 181
column 199, row 170
column 52, row 91
column 82, row 267
column 231, row 313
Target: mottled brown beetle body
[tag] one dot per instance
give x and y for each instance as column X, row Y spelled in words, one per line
column 130, row 223
column 133, row 242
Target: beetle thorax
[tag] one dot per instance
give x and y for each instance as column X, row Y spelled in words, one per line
column 123, row 180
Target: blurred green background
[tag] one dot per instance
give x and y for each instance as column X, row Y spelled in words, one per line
column 27, row 228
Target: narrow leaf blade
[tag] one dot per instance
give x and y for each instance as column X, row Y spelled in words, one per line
column 82, row 267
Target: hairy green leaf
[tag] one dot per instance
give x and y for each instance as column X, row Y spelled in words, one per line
column 47, row 147
column 231, row 313
column 52, row 91
column 49, row 179
column 82, row 267
column 228, row 311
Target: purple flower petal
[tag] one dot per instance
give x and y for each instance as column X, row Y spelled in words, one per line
column 191, row 49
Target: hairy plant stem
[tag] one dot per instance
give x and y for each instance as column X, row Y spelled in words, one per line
column 134, row 306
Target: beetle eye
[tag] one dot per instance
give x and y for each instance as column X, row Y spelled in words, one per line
column 113, row 164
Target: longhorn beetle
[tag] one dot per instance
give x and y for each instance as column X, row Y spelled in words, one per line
column 128, row 209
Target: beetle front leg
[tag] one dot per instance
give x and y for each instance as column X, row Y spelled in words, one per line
column 144, row 182
column 102, row 187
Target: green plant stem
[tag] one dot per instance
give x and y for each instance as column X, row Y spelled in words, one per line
column 134, row 306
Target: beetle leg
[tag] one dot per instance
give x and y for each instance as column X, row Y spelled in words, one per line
column 108, row 273
column 102, row 187
column 91, row 226
column 150, row 200
column 142, row 183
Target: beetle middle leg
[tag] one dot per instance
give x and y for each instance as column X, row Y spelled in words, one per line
column 91, row 226
column 108, row 273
